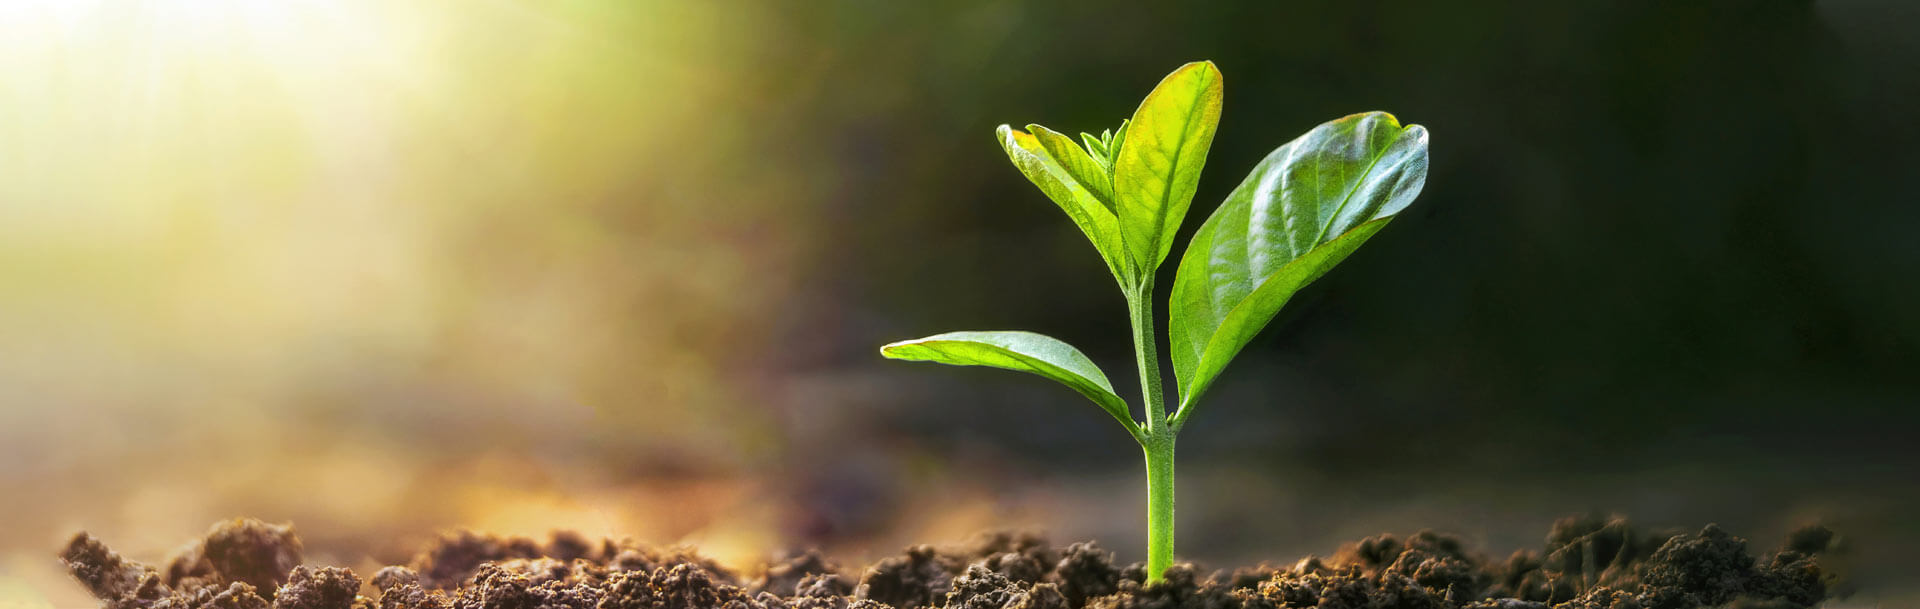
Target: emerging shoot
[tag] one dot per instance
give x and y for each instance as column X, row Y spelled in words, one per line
column 1306, row 207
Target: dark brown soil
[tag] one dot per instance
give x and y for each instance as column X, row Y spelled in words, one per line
column 1588, row 563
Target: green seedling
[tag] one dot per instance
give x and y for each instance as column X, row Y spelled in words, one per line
column 1304, row 208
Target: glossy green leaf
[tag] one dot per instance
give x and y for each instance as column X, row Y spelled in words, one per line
column 1303, row 209
column 1077, row 163
column 1022, row 351
column 1160, row 155
column 1083, row 206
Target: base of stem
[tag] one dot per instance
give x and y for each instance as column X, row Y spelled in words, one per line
column 1159, row 506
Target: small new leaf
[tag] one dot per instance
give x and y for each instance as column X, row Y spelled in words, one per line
column 1024, row 352
column 1303, row 209
column 1101, row 147
column 1097, row 146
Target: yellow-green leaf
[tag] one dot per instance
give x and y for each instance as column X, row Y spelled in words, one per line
column 1157, row 167
column 1082, row 206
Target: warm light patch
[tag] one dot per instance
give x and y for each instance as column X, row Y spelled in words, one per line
column 328, row 261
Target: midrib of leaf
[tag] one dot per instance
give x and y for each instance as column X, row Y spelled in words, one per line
column 1109, row 401
column 1216, row 334
column 1328, row 225
column 1247, row 252
column 1099, row 381
column 1166, row 194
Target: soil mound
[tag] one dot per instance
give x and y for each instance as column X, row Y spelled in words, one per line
column 1587, row 563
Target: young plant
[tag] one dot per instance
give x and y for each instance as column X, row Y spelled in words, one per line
column 1304, row 208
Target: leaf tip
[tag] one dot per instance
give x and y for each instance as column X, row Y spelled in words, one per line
column 1205, row 70
column 897, row 349
column 1010, row 138
column 1037, row 130
column 1419, row 132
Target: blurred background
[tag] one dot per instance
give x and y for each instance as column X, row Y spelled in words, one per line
column 383, row 269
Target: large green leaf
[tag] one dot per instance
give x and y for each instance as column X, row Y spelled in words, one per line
column 1022, row 351
column 1158, row 165
column 1093, row 217
column 1303, row 209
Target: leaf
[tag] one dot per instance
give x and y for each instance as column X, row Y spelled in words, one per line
column 1085, row 208
column 1097, row 148
column 1101, row 147
column 1024, row 352
column 1307, row 206
column 1160, row 153
column 1077, row 163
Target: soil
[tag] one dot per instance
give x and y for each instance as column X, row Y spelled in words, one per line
column 1587, row 563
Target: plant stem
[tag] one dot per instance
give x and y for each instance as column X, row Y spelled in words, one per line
column 1159, row 506
column 1140, row 310
column 1159, row 435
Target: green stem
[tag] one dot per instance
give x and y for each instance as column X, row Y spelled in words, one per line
column 1159, row 506
column 1159, row 435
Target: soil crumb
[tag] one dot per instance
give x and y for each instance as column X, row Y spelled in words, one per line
column 1587, row 562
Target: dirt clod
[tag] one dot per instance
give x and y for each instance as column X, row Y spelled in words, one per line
column 1587, row 563
column 102, row 571
column 318, row 588
column 1810, row 539
column 1085, row 571
column 808, row 574
column 919, row 579
column 238, row 595
column 981, row 589
column 453, row 558
column 257, row 553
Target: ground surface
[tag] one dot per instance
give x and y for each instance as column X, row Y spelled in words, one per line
column 1587, row 563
